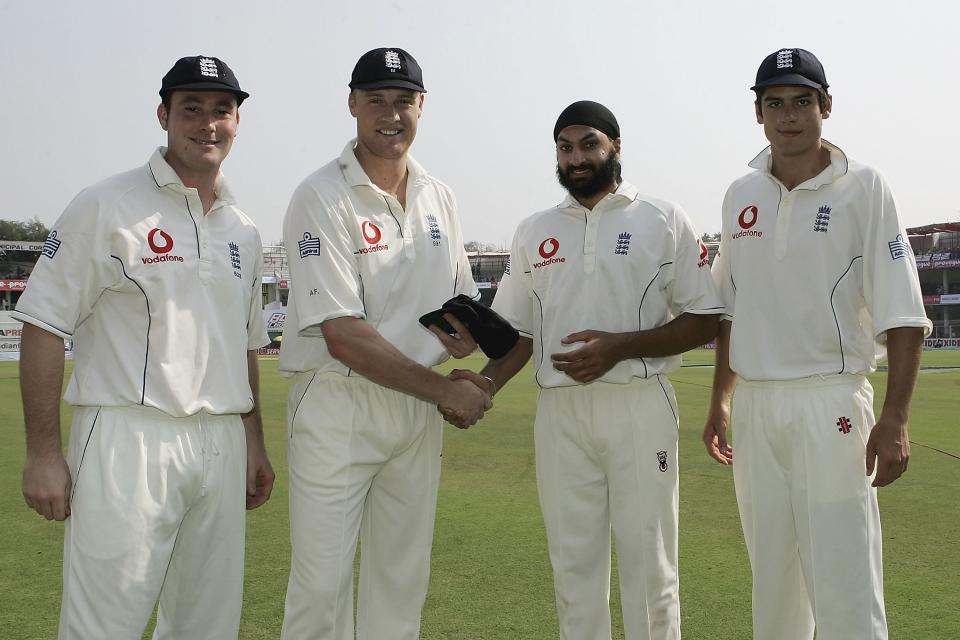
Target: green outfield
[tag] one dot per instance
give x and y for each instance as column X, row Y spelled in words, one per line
column 491, row 575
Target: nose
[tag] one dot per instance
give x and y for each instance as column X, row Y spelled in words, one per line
column 789, row 113
column 576, row 157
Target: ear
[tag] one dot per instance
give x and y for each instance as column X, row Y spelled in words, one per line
column 828, row 107
column 759, row 111
column 162, row 116
column 616, row 146
column 352, row 103
column 422, row 97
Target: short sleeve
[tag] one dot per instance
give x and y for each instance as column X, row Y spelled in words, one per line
column 691, row 287
column 256, row 328
column 72, row 271
column 891, row 285
column 324, row 277
column 514, row 298
column 721, row 272
column 465, row 284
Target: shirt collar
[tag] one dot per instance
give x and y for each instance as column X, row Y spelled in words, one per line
column 355, row 176
column 837, row 168
column 164, row 176
column 625, row 191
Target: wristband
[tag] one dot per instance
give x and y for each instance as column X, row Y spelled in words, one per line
column 492, row 384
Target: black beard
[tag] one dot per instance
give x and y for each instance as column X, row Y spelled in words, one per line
column 604, row 176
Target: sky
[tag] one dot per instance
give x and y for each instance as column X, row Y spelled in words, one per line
column 79, row 93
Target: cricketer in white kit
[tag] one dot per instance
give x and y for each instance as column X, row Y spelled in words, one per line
column 155, row 274
column 818, row 279
column 374, row 242
column 606, row 289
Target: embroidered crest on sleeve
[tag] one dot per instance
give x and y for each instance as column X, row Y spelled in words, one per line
column 51, row 246
column 898, row 248
column 309, row 246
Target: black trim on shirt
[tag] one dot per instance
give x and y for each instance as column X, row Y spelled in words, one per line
column 642, row 298
column 44, row 322
column 195, row 229
column 146, row 353
column 390, row 209
column 536, row 374
column 154, row 176
column 843, row 362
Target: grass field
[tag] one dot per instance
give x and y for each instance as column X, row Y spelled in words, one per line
column 491, row 575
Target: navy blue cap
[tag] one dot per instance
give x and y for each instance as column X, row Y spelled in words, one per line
column 791, row 67
column 202, row 73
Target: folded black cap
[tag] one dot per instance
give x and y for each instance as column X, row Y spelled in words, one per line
column 202, row 73
column 387, row 68
column 791, row 67
column 494, row 334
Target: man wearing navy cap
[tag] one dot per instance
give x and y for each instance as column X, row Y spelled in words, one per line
column 818, row 280
column 373, row 242
column 155, row 275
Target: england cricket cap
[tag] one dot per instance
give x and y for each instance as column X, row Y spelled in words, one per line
column 202, row 73
column 387, row 68
column 791, row 67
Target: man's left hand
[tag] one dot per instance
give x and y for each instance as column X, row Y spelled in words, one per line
column 888, row 449
column 600, row 352
column 459, row 345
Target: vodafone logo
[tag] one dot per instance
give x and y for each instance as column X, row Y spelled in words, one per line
column 748, row 218
column 371, row 232
column 549, row 247
column 703, row 254
column 160, row 241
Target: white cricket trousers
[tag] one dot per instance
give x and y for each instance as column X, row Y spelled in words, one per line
column 364, row 461
column 157, row 512
column 607, row 455
column 809, row 514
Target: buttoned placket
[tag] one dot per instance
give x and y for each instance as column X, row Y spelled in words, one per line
column 591, row 230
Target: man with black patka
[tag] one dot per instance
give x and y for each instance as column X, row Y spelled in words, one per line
column 606, row 289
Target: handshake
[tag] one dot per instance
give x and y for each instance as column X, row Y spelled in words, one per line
column 468, row 396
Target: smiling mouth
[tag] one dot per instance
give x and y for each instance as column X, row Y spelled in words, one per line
column 389, row 132
column 205, row 143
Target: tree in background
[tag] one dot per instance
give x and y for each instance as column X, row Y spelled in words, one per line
column 474, row 246
column 18, row 264
column 711, row 237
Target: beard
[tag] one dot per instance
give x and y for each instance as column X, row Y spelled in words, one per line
column 601, row 178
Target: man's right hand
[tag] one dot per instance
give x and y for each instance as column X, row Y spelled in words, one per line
column 46, row 485
column 464, row 403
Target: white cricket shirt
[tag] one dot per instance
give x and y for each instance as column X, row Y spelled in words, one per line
column 630, row 264
column 354, row 251
column 162, row 301
column 812, row 278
